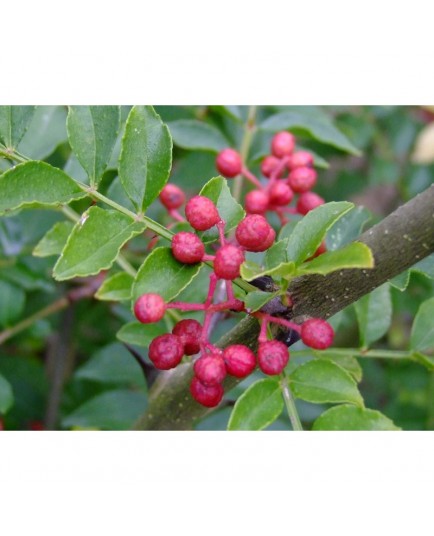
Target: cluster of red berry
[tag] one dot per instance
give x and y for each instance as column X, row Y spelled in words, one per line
column 253, row 233
column 287, row 173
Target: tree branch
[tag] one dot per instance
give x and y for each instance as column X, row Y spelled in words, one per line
column 402, row 239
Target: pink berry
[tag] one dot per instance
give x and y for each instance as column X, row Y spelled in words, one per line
column 227, row 262
column 229, row 163
column 240, row 361
column 237, row 306
column 189, row 332
column 254, row 233
column 269, row 166
column 172, row 197
column 207, row 396
column 210, row 369
column 187, row 247
column 300, row 159
column 201, row 213
column 256, row 202
column 273, row 356
column 308, row 201
column 317, row 333
column 280, row 194
column 322, row 248
column 282, row 144
column 166, row 351
column 302, row 179
column 36, row 426
column 149, row 308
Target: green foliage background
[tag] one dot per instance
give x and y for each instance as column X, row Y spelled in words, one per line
column 363, row 155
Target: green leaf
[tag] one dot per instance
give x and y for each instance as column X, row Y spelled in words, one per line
column 425, row 267
column 30, row 387
column 112, row 364
column 36, row 183
column 54, row 240
column 311, row 230
column 425, row 360
column 140, row 334
column 257, row 299
column 249, row 270
column 351, row 418
column 92, row 133
column 162, row 274
column 347, row 362
column 347, row 228
column 95, row 243
column 116, row 288
column 312, row 121
column 13, row 299
column 374, row 315
column 401, row 281
column 113, row 410
column 46, row 132
column 354, row 255
column 259, row 406
column 322, row 382
column 6, row 395
column 197, row 135
column 286, row 231
column 14, row 121
column 277, row 254
column 146, row 156
column 230, row 211
column 422, row 331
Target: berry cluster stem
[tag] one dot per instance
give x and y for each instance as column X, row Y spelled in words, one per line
column 266, row 319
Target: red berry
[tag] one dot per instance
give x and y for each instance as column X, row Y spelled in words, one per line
column 240, row 361
column 302, row 179
column 254, row 233
column 322, row 248
column 207, row 396
column 172, row 197
column 36, row 426
column 210, row 369
column 189, row 332
column 237, row 306
column 308, row 201
column 256, row 202
column 166, row 351
column 201, row 213
column 229, row 163
column 282, row 144
column 300, row 159
column 273, row 356
column 317, row 333
column 187, row 247
column 269, row 165
column 149, row 308
column 227, row 262
column 280, row 194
